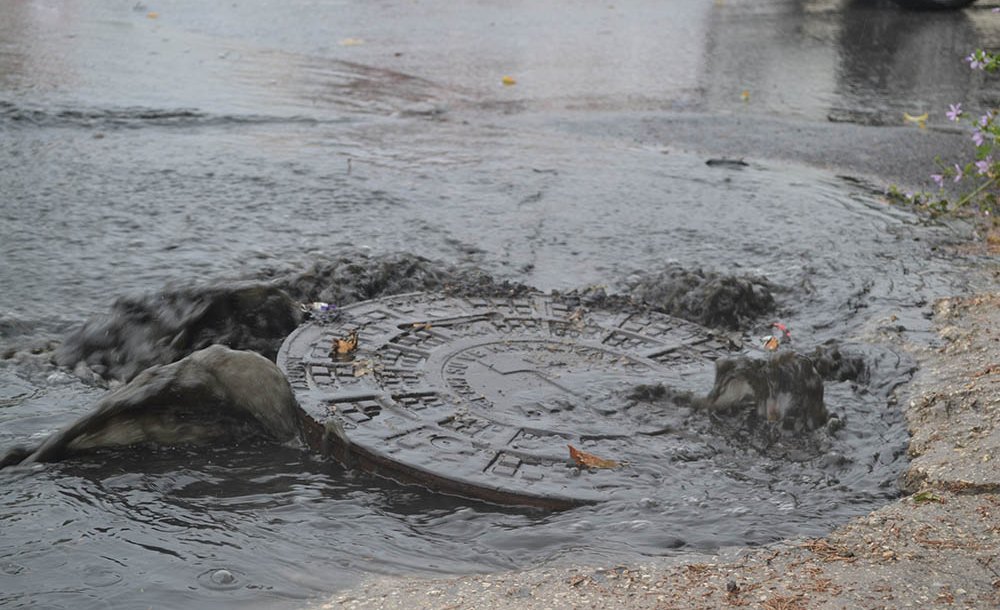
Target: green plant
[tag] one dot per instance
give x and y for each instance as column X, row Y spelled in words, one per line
column 981, row 174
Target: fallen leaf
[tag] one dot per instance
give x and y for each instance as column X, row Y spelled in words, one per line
column 920, row 120
column 351, row 42
column 152, row 15
column 346, row 345
column 508, row 81
column 771, row 343
column 587, row 460
column 927, row 496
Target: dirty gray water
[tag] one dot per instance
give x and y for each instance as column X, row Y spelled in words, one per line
column 193, row 148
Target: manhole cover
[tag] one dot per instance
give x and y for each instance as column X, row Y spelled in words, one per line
column 481, row 397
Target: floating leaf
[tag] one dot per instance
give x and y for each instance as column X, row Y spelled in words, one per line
column 346, row 345
column 920, row 120
column 587, row 460
column 508, row 81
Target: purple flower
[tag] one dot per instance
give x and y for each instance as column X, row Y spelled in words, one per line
column 985, row 119
column 939, row 179
column 977, row 137
column 958, row 173
column 954, row 111
column 984, row 166
column 974, row 62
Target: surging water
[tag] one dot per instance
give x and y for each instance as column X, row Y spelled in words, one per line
column 116, row 182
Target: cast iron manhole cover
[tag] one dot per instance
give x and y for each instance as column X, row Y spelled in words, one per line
column 482, row 396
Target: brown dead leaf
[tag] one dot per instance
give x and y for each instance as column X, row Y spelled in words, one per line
column 345, row 345
column 587, row 460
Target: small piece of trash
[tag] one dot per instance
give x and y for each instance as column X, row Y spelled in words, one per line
column 351, row 42
column 745, row 95
column 920, row 120
column 786, row 334
column 317, row 307
column 152, row 15
column 508, row 81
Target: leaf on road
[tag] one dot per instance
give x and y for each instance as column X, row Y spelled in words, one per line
column 920, row 120
column 927, row 496
column 508, row 81
column 587, row 460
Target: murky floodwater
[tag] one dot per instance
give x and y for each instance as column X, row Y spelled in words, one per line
column 198, row 146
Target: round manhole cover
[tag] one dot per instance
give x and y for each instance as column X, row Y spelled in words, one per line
column 482, row 397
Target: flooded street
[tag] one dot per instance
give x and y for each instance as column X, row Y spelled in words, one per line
column 155, row 147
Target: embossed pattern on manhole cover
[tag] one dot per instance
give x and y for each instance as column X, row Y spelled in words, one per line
column 481, row 396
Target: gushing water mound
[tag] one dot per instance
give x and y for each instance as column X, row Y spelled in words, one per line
column 142, row 332
column 214, row 396
column 254, row 315
column 785, row 388
column 710, row 299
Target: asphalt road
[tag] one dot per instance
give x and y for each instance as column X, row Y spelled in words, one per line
column 825, row 82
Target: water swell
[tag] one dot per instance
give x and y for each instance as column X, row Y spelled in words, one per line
column 257, row 312
column 138, row 117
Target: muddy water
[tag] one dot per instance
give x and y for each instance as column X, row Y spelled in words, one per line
column 194, row 148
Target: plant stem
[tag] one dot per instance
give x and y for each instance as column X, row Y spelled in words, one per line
column 966, row 199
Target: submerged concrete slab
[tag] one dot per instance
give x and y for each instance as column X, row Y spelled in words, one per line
column 481, row 397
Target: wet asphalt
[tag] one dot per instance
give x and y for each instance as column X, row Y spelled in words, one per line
column 825, row 82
